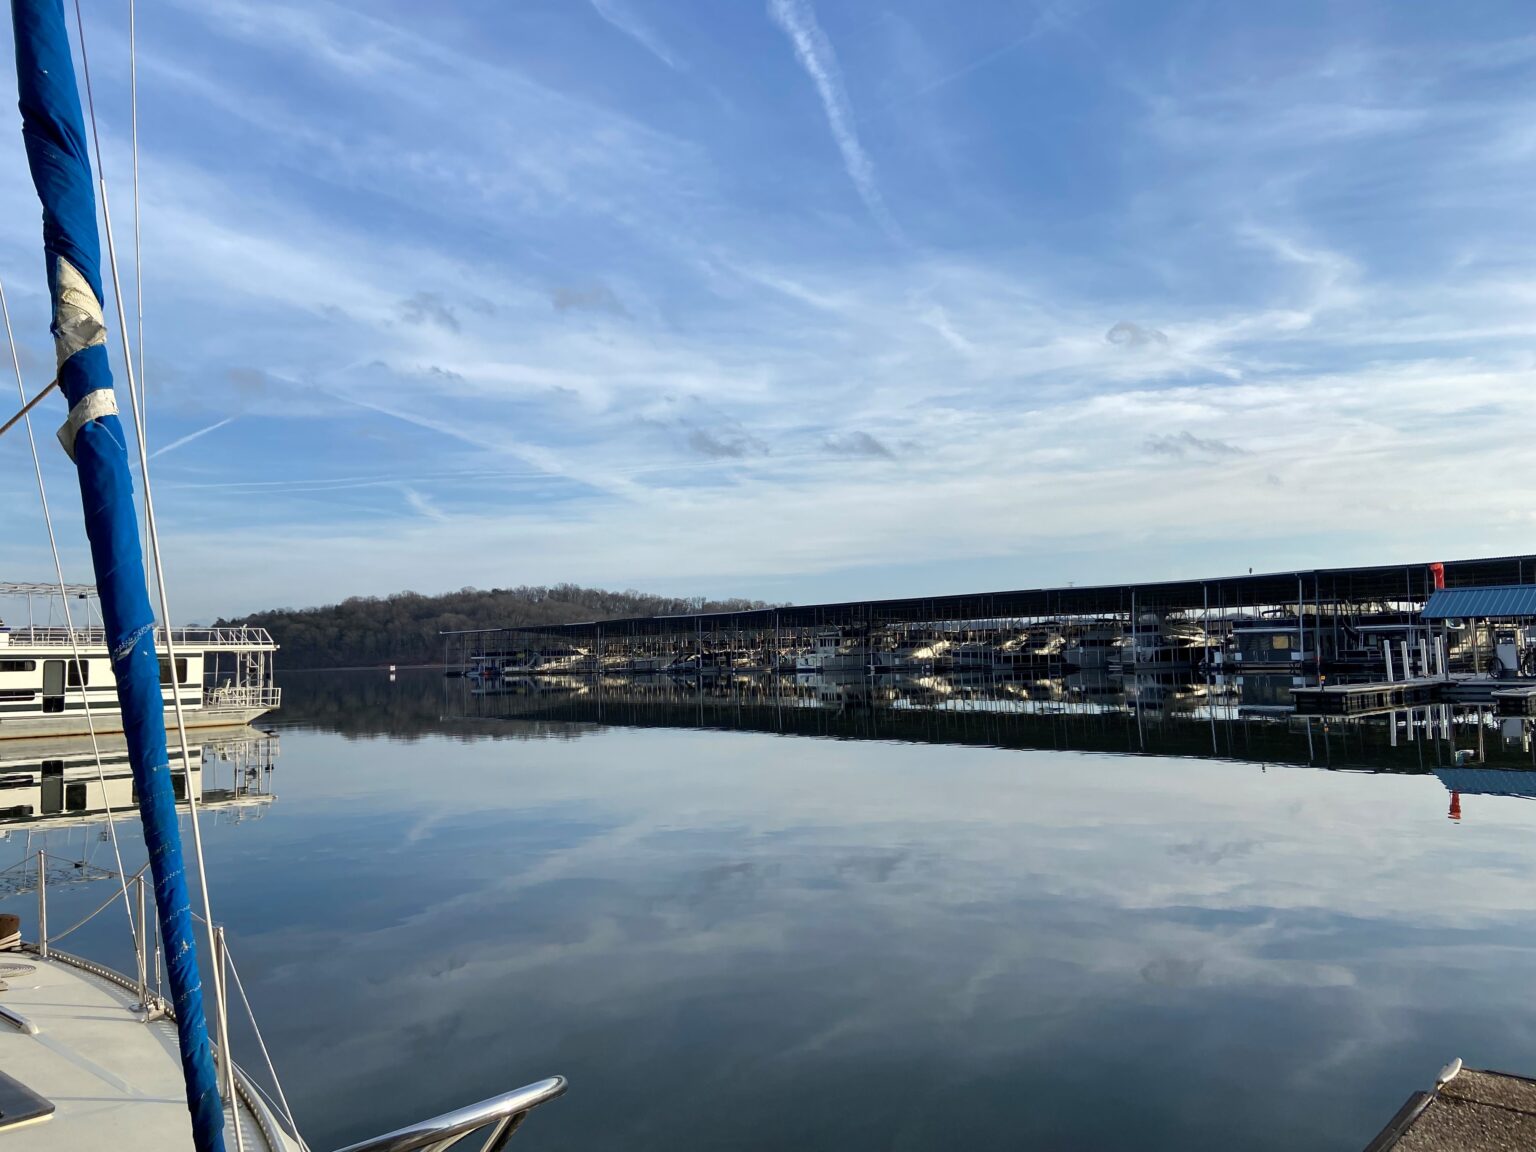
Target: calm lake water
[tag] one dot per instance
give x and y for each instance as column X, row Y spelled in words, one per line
column 928, row 924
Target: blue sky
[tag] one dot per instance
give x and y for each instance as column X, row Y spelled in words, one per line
column 806, row 299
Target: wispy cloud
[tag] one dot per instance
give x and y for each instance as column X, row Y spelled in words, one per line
column 798, row 20
column 1183, row 444
column 596, row 298
column 725, row 445
column 857, row 444
column 618, row 13
column 1129, row 335
column 429, row 308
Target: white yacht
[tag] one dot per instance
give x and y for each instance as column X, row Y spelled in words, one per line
column 51, row 677
column 1159, row 642
column 1031, row 649
column 831, row 652
column 1091, row 647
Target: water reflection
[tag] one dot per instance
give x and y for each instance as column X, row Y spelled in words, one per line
column 955, row 924
column 71, row 782
column 1238, row 718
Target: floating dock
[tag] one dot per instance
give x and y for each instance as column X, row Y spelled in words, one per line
column 1472, row 1112
column 1516, row 701
column 1375, row 696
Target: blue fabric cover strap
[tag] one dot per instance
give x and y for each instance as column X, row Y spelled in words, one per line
column 54, row 132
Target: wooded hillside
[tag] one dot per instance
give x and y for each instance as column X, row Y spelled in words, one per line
column 404, row 628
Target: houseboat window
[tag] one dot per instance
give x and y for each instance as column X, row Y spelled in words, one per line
column 16, row 694
column 18, row 665
column 79, row 673
column 74, row 797
column 53, row 685
column 1282, row 642
column 52, row 786
column 165, row 670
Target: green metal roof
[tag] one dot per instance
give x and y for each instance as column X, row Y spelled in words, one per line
column 1495, row 603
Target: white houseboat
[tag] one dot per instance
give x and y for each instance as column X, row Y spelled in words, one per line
column 52, row 677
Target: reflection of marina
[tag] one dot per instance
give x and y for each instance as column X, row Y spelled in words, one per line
column 61, row 782
column 1352, row 641
column 1164, row 714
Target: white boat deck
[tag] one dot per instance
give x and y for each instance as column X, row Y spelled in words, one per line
column 115, row 1082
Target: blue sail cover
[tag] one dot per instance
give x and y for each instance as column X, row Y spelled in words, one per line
column 54, row 133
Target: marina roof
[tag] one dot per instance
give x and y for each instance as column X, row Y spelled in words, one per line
column 1499, row 602
column 1316, row 586
column 38, row 589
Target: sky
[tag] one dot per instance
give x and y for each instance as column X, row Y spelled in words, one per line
column 804, row 299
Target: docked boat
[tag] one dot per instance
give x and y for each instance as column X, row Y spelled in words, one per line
column 831, row 653
column 971, row 655
column 1031, row 649
column 59, row 681
column 1091, row 647
column 1158, row 643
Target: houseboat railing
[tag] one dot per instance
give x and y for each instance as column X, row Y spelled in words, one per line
column 498, row 1117
column 35, row 636
column 243, row 696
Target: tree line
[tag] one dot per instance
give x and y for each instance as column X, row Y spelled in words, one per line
column 366, row 631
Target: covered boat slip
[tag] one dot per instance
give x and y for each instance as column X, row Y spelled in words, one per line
column 74, row 1036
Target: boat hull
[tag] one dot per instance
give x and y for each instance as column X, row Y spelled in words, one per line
column 104, row 722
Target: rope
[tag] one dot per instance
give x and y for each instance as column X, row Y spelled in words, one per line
column 69, row 622
column 149, row 519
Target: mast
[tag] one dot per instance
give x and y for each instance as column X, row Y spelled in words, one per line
column 53, row 130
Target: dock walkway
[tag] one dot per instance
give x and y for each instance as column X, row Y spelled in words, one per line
column 1377, row 696
column 1473, row 1112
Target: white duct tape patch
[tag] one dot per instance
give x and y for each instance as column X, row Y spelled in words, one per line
column 77, row 319
column 93, row 406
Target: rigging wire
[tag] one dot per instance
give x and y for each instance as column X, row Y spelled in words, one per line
column 256, row 1028
column 138, row 248
column 217, row 977
column 69, row 623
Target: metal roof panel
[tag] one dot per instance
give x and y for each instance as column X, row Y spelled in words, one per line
column 1496, row 603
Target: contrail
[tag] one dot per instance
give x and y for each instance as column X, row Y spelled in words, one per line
column 191, row 436
column 798, row 20
column 626, row 22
